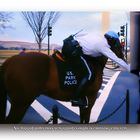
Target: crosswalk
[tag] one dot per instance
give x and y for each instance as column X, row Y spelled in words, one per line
column 40, row 110
column 106, row 78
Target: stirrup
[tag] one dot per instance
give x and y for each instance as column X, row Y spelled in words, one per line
column 81, row 102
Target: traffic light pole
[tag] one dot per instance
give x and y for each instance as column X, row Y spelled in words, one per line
column 48, row 45
column 49, row 34
column 126, row 42
column 48, row 40
column 123, row 32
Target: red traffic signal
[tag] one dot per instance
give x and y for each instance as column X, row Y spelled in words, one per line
column 122, row 44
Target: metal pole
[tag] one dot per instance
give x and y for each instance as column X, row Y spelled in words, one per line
column 48, row 40
column 127, row 107
column 126, row 41
column 48, row 45
column 55, row 114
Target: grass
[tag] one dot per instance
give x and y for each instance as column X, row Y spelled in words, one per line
column 4, row 54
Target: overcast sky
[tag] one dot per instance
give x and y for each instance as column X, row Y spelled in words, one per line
column 68, row 23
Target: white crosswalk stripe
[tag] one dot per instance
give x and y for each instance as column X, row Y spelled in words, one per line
column 102, row 99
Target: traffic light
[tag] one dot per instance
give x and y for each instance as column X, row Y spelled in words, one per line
column 49, row 30
column 122, row 30
column 122, row 42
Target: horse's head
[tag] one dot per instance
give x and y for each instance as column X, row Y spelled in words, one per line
column 117, row 49
column 113, row 40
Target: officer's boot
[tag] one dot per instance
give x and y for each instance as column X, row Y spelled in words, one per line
column 79, row 99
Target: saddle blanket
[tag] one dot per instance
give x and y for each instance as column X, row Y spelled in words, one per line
column 69, row 77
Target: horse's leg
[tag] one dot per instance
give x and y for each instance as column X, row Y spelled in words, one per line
column 17, row 111
column 85, row 112
column 82, row 119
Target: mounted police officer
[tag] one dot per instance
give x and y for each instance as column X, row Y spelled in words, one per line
column 94, row 45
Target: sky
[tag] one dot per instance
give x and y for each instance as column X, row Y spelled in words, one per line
column 68, row 23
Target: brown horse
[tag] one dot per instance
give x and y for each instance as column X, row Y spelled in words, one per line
column 24, row 77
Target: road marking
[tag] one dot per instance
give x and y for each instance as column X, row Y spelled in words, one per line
column 69, row 106
column 42, row 111
column 105, row 80
column 101, row 90
column 103, row 85
column 107, row 76
column 97, row 108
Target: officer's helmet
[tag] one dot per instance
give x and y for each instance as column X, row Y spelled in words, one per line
column 112, row 35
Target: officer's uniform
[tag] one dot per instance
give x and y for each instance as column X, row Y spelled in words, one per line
column 96, row 45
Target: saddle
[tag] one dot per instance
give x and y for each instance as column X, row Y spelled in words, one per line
column 69, row 77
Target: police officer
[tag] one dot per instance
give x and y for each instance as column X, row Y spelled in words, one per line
column 94, row 45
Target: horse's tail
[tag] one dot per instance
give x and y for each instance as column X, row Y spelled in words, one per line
column 3, row 97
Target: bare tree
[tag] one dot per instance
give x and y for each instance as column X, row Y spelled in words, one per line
column 5, row 18
column 39, row 22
